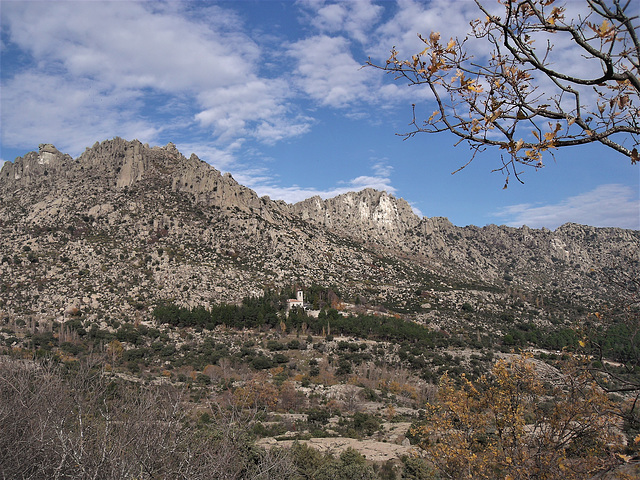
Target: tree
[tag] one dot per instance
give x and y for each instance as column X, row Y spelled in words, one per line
column 257, row 393
column 517, row 96
column 610, row 345
column 350, row 466
column 75, row 422
column 114, row 351
column 515, row 424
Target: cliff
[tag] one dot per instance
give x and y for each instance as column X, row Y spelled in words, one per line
column 126, row 225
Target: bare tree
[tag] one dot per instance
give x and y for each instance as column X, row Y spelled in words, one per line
column 517, row 96
column 81, row 424
column 611, row 343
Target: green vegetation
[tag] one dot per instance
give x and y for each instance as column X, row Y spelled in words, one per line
column 262, row 312
column 299, row 376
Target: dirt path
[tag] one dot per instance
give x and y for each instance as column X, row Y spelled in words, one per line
column 374, row 450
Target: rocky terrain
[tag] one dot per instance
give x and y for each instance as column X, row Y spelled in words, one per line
column 126, row 225
column 167, row 273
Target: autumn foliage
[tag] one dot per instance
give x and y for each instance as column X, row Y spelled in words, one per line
column 513, row 424
column 518, row 93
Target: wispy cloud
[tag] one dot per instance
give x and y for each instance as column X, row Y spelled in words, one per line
column 381, row 168
column 96, row 67
column 354, row 18
column 327, row 72
column 259, row 181
column 100, row 69
column 413, row 17
column 222, row 158
column 255, row 108
column 72, row 114
column 605, row 206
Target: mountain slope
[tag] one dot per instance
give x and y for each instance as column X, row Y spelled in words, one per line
column 126, row 225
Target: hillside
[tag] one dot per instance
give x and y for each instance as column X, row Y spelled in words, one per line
column 126, row 225
column 150, row 291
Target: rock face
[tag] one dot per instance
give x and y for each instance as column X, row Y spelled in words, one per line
column 118, row 164
column 369, row 215
column 126, row 225
column 34, row 167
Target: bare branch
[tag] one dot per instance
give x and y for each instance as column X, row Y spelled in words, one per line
column 515, row 99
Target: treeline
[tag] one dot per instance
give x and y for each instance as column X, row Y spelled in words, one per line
column 526, row 334
column 617, row 342
column 263, row 312
column 378, row 327
column 254, row 312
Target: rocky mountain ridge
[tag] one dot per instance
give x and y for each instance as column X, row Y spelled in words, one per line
column 126, row 225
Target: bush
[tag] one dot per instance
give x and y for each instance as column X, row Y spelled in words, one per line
column 344, row 367
column 280, row 358
column 366, row 423
column 416, row 468
column 307, row 460
column 150, row 431
column 274, row 345
column 318, row 416
column 351, row 465
column 262, row 363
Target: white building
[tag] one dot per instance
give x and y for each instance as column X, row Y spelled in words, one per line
column 296, row 302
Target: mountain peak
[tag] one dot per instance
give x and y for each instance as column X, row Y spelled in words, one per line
column 146, row 224
column 368, row 214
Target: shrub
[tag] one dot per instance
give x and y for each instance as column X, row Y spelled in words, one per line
column 318, row 416
column 261, row 362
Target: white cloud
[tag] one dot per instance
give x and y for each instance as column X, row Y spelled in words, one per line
column 366, row 181
column 355, row 18
column 259, row 181
column 222, row 158
column 72, row 114
column 130, row 45
column 295, row 193
column 329, row 65
column 272, row 130
column 381, row 169
column 255, row 108
column 327, row 72
column 101, row 68
column 415, row 209
column 329, row 18
column 416, row 17
column 605, row 206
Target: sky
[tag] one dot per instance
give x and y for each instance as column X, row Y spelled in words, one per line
column 275, row 93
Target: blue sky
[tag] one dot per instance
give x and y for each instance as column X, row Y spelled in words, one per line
column 273, row 92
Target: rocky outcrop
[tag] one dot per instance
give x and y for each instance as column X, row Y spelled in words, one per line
column 35, row 168
column 118, row 164
column 369, row 215
column 126, row 225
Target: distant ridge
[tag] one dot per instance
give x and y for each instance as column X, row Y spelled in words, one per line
column 126, row 222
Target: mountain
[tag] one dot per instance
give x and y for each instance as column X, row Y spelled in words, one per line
column 125, row 226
